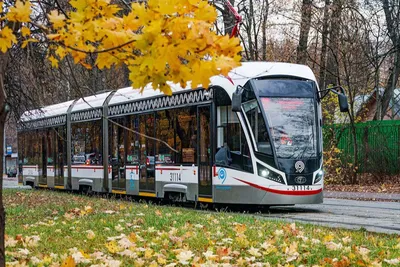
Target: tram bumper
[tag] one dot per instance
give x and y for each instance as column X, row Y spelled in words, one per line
column 269, row 196
column 284, row 195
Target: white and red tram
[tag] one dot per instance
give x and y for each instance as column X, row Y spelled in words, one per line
column 252, row 138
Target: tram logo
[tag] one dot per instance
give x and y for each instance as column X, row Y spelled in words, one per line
column 299, row 166
column 222, row 175
column 300, row 179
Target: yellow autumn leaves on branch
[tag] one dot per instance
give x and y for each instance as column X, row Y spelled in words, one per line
column 159, row 40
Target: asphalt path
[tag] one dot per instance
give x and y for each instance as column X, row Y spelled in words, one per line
column 382, row 217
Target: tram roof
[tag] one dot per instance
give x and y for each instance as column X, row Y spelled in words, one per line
column 48, row 111
column 239, row 76
column 89, row 102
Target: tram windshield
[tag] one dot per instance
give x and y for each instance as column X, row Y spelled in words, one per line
column 292, row 126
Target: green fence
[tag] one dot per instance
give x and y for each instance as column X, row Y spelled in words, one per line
column 378, row 144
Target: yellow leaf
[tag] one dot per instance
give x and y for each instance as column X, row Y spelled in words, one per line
column 162, row 261
column 54, row 62
column 68, row 262
column 25, row 31
column 7, row 38
column 225, row 64
column 80, row 5
column 112, row 247
column 148, row 253
column 206, row 12
column 88, row 66
column 328, row 238
column 54, row 36
column 57, row 19
column 78, row 56
column 20, row 12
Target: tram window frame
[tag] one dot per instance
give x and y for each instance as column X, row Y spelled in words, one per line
column 116, row 149
column 88, row 129
column 34, row 151
column 170, row 133
column 50, row 143
column 188, row 139
column 242, row 162
column 60, row 141
column 254, row 129
column 132, row 145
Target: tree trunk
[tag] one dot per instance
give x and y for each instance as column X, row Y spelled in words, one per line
column 390, row 85
column 249, row 37
column 3, row 66
column 392, row 16
column 255, row 34
column 305, row 25
column 264, row 30
column 325, row 32
column 332, row 74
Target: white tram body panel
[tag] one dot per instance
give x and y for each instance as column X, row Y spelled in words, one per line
column 107, row 142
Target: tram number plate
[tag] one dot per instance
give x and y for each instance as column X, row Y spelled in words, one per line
column 300, row 187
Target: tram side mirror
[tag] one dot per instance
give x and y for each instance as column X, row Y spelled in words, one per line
column 339, row 91
column 343, row 103
column 237, row 99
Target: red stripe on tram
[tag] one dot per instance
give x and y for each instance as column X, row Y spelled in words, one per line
column 170, row 169
column 283, row 192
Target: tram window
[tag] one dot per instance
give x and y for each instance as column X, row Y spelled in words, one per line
column 133, row 147
column 258, row 127
column 27, row 150
column 34, row 151
column 232, row 147
column 61, row 145
column 165, row 132
column 186, row 135
column 116, row 146
column 50, row 147
column 87, row 143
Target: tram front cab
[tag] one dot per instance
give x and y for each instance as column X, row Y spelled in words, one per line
column 284, row 121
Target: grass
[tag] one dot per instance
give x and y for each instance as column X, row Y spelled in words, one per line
column 48, row 228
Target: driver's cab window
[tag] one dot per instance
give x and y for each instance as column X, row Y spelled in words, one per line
column 257, row 124
column 232, row 147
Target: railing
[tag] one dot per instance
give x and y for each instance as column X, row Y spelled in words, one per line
column 378, row 145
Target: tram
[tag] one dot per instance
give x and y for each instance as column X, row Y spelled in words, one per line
column 254, row 137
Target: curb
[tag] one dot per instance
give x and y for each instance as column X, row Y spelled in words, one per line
column 361, row 195
column 21, row 187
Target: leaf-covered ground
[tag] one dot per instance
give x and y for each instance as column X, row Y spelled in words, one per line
column 48, row 228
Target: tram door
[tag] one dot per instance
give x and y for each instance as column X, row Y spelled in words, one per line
column 204, row 150
column 117, row 155
column 42, row 158
column 59, row 144
column 145, row 126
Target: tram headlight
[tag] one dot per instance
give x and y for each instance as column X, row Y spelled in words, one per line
column 264, row 173
column 268, row 174
column 319, row 176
